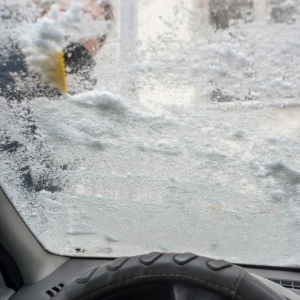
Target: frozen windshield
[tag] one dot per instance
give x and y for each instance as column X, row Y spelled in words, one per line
column 179, row 131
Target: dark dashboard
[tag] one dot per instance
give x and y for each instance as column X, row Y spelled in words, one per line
column 48, row 287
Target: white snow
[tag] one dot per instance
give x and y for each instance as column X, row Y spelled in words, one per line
column 103, row 101
column 78, row 24
column 40, row 44
column 53, row 31
column 149, row 160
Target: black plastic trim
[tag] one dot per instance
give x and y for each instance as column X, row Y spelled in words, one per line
column 76, row 266
column 234, row 282
column 265, row 267
column 2, row 189
column 10, row 270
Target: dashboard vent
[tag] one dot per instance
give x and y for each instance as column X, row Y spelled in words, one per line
column 54, row 290
column 288, row 283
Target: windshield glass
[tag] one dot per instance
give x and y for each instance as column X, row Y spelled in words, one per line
column 176, row 128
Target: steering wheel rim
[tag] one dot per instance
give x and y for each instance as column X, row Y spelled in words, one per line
column 179, row 271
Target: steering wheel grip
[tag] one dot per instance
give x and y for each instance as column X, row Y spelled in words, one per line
column 181, row 273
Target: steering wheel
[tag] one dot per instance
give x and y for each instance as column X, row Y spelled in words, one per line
column 167, row 276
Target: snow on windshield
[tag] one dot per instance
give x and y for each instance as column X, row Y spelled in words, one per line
column 179, row 133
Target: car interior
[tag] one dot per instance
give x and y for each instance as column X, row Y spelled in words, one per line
column 149, row 150
column 28, row 271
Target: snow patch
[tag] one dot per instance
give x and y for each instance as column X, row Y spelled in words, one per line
column 164, row 147
column 80, row 232
column 283, row 172
column 102, row 101
column 40, row 41
column 110, row 239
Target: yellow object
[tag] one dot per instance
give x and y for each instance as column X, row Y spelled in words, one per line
column 56, row 72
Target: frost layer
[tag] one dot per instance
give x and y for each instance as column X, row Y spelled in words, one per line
column 184, row 145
